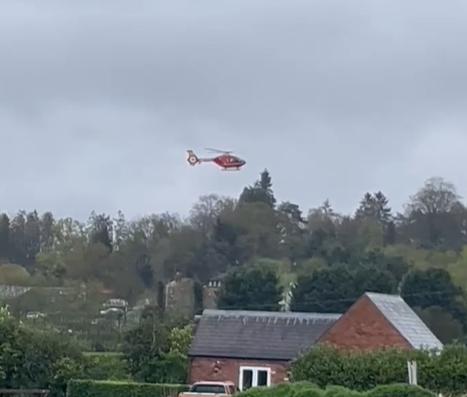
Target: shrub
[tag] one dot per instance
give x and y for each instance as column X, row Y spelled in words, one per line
column 399, row 391
column 30, row 358
column 441, row 373
column 340, row 391
column 91, row 388
column 106, row 366
column 354, row 370
column 64, row 370
column 180, row 339
column 308, row 393
column 12, row 274
column 260, row 392
column 164, row 368
column 311, row 390
column 155, row 352
column 299, row 389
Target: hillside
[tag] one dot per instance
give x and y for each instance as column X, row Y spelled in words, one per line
column 330, row 258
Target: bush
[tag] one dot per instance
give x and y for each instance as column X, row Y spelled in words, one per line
column 36, row 359
column 12, row 274
column 64, row 370
column 180, row 339
column 91, row 388
column 399, row 391
column 311, row 390
column 300, row 389
column 339, row 391
column 164, row 368
column 106, row 366
column 441, row 373
column 354, row 370
column 155, row 352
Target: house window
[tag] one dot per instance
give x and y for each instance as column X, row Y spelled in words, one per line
column 254, row 377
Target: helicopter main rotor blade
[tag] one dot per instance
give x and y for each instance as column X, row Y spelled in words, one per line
column 218, row 151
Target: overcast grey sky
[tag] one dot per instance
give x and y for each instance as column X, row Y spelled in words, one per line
column 100, row 99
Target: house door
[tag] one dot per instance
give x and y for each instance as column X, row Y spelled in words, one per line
column 254, row 377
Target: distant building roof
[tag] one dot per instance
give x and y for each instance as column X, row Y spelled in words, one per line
column 258, row 335
column 405, row 320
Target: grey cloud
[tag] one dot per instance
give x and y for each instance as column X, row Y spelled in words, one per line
column 100, row 99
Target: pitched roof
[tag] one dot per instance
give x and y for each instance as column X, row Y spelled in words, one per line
column 258, row 335
column 405, row 320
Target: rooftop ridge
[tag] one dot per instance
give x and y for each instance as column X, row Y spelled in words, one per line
column 380, row 294
column 269, row 314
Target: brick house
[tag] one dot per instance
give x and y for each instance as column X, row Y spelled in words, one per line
column 255, row 348
column 379, row 321
column 252, row 348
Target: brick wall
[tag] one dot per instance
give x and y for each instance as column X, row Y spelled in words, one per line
column 364, row 327
column 228, row 369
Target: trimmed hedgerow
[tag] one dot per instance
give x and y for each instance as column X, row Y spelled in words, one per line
column 90, row 388
column 445, row 372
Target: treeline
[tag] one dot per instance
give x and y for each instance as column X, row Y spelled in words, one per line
column 332, row 257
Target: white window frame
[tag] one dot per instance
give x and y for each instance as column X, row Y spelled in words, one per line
column 255, row 375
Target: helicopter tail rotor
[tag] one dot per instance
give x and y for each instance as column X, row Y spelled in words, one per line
column 192, row 158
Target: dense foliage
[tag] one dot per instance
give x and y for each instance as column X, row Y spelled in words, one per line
column 106, row 366
column 442, row 373
column 36, row 359
column 156, row 351
column 335, row 288
column 251, row 288
column 324, row 259
column 305, row 389
column 91, row 388
column 33, row 358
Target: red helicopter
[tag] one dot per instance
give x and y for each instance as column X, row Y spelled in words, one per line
column 225, row 160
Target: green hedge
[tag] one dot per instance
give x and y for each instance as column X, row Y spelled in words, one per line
column 442, row 373
column 399, row 391
column 91, row 388
column 304, row 389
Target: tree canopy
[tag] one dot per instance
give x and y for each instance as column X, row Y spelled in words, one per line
column 330, row 257
column 251, row 288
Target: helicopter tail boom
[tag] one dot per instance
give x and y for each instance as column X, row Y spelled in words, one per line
column 193, row 159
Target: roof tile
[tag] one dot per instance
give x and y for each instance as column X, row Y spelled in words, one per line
column 405, row 320
column 258, row 335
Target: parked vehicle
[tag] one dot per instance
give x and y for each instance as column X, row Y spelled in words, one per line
column 211, row 389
